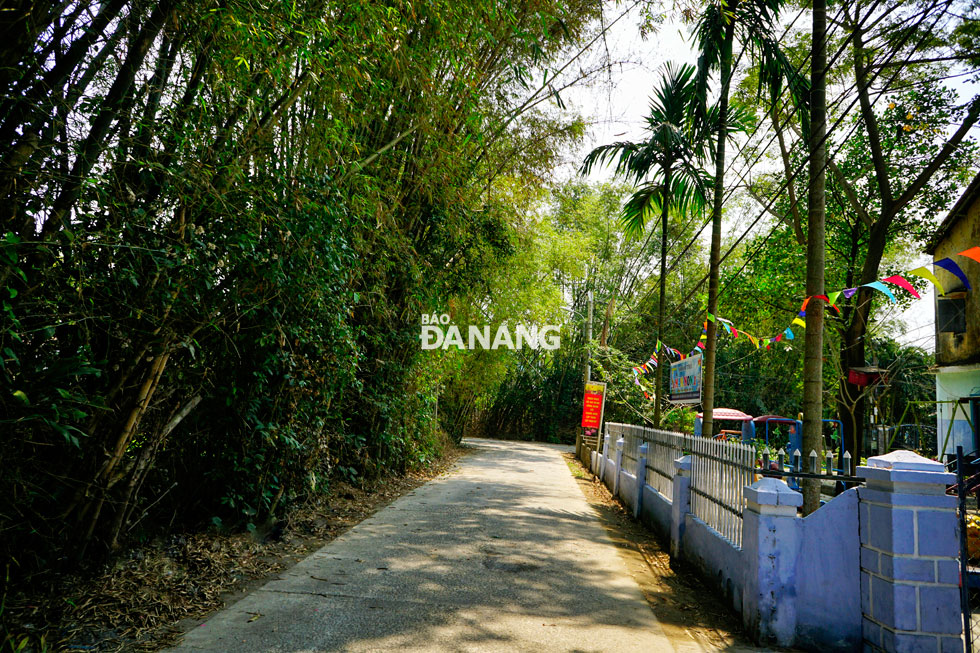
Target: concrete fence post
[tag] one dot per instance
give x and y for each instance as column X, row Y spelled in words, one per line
column 770, row 542
column 604, row 456
column 680, row 503
column 641, row 478
column 619, row 466
column 910, row 596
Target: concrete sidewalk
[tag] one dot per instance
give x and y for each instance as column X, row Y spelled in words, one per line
column 501, row 554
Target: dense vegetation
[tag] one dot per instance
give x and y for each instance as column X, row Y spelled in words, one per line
column 223, row 220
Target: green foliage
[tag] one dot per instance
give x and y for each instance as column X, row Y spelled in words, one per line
column 666, row 167
column 212, row 272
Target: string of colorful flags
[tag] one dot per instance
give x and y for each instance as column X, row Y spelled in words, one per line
column 947, row 264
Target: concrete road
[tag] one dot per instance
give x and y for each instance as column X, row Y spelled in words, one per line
column 501, row 554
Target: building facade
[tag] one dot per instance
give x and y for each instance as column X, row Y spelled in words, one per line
column 958, row 327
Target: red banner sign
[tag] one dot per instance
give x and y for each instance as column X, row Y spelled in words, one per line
column 595, row 399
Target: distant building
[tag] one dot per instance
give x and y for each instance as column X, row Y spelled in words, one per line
column 958, row 326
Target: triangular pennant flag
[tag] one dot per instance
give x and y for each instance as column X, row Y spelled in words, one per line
column 797, row 320
column 789, row 333
column 727, row 328
column 703, row 337
column 779, row 337
column 900, row 281
column 927, row 274
column 973, row 252
column 734, row 332
column 877, row 285
column 683, row 356
column 950, row 265
column 832, row 299
column 711, row 318
column 805, row 302
column 700, row 345
column 849, row 292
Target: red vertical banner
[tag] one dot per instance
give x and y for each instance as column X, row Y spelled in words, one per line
column 594, row 404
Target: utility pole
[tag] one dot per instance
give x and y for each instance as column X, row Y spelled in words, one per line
column 588, row 340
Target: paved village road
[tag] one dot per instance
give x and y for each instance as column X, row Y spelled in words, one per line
column 501, row 554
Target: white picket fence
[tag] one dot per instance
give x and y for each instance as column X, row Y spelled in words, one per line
column 719, row 472
column 633, row 437
column 664, row 448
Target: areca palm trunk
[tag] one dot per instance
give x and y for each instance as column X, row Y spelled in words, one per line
column 816, row 213
column 658, row 375
column 714, row 262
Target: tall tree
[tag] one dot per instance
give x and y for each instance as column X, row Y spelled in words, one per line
column 889, row 47
column 815, row 244
column 668, row 166
column 751, row 23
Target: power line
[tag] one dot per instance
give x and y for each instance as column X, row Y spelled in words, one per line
column 799, row 167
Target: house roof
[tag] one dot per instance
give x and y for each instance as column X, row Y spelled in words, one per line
column 959, row 209
column 728, row 414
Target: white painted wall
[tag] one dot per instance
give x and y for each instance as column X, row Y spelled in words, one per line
column 951, row 384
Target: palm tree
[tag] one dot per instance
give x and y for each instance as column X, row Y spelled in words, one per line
column 751, row 23
column 666, row 167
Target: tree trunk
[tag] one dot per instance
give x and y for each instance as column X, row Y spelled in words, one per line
column 850, row 400
column 658, row 373
column 816, row 214
column 117, row 99
column 714, row 263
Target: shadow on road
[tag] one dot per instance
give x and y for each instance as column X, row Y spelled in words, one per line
column 688, row 607
column 497, row 555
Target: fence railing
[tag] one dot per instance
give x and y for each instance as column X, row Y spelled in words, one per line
column 632, row 438
column 664, row 447
column 720, row 471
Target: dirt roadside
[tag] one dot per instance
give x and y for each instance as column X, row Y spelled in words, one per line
column 687, row 608
column 144, row 599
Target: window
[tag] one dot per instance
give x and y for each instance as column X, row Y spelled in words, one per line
column 951, row 313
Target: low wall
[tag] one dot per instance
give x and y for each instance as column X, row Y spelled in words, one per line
column 798, row 581
column 716, row 559
column 655, row 511
column 627, row 490
column 828, row 572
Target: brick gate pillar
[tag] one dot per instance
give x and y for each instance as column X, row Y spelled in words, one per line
column 910, row 597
